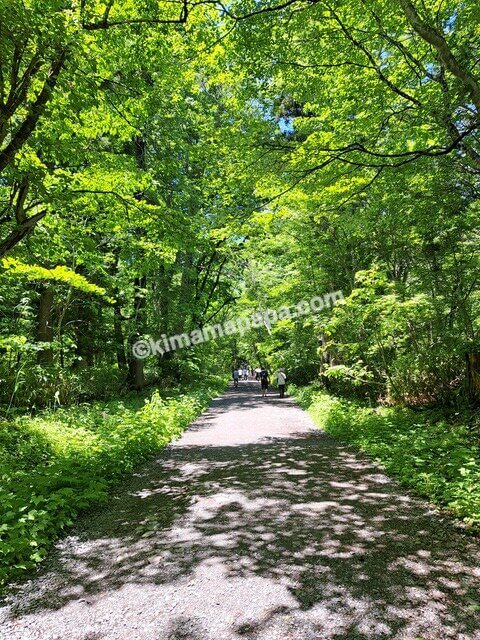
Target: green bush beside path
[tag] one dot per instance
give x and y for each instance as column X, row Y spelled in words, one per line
column 58, row 463
column 437, row 458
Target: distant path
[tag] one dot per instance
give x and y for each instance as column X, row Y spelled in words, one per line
column 255, row 526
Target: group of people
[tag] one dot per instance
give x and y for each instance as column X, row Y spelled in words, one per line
column 244, row 373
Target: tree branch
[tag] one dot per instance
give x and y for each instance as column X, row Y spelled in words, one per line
column 393, row 87
column 105, row 23
column 20, row 232
column 437, row 40
column 34, row 112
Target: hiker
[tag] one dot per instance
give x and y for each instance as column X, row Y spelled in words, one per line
column 281, row 380
column 236, row 375
column 264, row 381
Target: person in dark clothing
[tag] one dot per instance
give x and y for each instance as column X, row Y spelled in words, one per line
column 264, row 381
column 281, row 381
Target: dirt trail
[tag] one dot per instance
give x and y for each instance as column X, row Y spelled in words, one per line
column 255, row 525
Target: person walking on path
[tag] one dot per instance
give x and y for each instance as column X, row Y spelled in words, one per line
column 281, row 380
column 264, row 381
column 236, row 375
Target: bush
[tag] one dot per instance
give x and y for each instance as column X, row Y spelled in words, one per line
column 432, row 456
column 35, row 386
column 60, row 462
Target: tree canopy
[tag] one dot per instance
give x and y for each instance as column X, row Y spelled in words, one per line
column 166, row 165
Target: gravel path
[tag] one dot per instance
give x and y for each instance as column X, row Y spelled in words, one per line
column 256, row 526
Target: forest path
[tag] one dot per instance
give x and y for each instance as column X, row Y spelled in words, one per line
column 255, row 525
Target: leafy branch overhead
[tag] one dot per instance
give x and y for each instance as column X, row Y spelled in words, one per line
column 59, row 275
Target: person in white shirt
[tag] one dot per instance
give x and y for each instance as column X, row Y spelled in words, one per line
column 281, row 380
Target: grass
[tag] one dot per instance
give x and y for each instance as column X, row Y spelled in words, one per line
column 58, row 463
column 435, row 457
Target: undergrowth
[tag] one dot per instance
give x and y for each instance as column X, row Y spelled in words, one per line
column 60, row 462
column 436, row 457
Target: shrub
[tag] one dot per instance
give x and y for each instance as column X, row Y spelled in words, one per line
column 62, row 461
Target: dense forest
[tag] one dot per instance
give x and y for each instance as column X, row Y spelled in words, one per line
column 166, row 166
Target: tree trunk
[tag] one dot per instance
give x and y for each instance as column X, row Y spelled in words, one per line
column 136, row 374
column 119, row 339
column 45, row 326
column 473, row 376
column 84, row 335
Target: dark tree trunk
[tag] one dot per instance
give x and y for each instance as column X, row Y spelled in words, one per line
column 136, row 369
column 84, row 335
column 136, row 374
column 45, row 325
column 119, row 339
column 473, row 376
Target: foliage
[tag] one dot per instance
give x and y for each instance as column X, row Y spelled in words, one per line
column 167, row 165
column 60, row 275
column 404, row 257
column 407, row 343
column 436, row 457
column 184, row 168
column 59, row 462
column 370, row 166
column 121, row 196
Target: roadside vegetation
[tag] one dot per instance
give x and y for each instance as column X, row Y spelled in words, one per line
column 61, row 462
column 434, row 454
